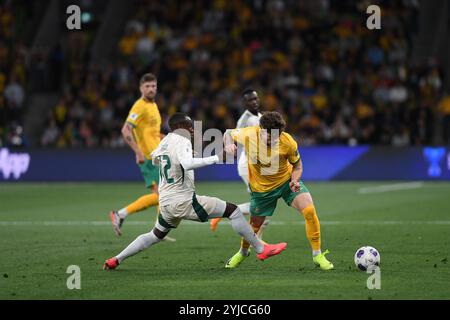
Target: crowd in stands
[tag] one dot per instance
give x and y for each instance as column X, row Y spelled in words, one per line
column 13, row 75
column 334, row 80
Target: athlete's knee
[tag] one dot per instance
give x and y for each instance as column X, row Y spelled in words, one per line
column 309, row 213
column 230, row 209
column 302, row 201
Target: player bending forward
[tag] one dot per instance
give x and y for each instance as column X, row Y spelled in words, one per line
column 177, row 196
column 249, row 118
column 275, row 170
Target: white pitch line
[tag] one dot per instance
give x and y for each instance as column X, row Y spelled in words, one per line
column 191, row 223
column 391, row 187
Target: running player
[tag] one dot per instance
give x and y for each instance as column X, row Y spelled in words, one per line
column 275, row 170
column 178, row 200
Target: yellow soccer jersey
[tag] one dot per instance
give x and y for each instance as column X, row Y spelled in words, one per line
column 145, row 118
column 268, row 168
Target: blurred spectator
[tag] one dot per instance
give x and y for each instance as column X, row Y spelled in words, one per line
column 444, row 109
column 50, row 135
column 13, row 75
column 14, row 93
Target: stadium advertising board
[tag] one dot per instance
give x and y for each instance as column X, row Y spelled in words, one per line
column 320, row 164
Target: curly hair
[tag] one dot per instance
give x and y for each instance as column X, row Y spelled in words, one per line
column 272, row 120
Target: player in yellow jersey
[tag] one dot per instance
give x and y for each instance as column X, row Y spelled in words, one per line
column 275, row 170
column 142, row 132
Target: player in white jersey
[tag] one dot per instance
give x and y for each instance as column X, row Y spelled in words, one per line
column 177, row 198
column 250, row 118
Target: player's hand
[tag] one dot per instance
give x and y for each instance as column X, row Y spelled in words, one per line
column 140, row 158
column 222, row 156
column 295, row 186
column 230, row 149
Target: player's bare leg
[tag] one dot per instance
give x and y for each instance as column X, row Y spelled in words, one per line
column 305, row 205
column 245, row 208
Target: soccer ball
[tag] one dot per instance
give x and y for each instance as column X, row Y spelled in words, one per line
column 367, row 257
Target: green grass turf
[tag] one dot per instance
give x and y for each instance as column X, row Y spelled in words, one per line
column 34, row 256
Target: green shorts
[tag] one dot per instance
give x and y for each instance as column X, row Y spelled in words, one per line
column 264, row 203
column 150, row 173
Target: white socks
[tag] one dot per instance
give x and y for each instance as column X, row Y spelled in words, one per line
column 316, row 252
column 122, row 213
column 241, row 226
column 140, row 243
column 245, row 208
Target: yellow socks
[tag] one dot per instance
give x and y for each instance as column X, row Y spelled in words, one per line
column 312, row 227
column 143, row 203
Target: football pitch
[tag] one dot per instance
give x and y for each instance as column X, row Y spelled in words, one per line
column 45, row 228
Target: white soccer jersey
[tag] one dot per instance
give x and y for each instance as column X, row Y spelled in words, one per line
column 175, row 183
column 176, row 168
column 247, row 119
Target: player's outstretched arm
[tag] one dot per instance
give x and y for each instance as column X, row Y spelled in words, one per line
column 127, row 134
column 188, row 162
column 195, row 163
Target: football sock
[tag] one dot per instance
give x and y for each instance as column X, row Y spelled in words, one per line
column 245, row 245
column 143, row 203
column 122, row 213
column 241, row 226
column 140, row 243
column 312, row 228
column 245, row 208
